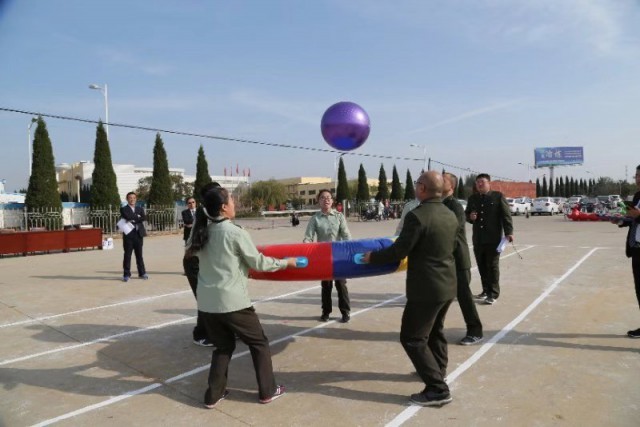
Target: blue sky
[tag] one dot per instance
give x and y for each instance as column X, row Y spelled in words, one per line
column 479, row 83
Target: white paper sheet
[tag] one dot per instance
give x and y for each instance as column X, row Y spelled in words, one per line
column 503, row 244
column 125, row 226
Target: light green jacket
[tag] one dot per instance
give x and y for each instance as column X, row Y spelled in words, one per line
column 327, row 228
column 224, row 267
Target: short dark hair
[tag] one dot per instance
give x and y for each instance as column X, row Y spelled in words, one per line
column 130, row 193
column 208, row 187
column 324, row 190
column 483, row 175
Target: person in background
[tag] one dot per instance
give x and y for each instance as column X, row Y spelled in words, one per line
column 428, row 239
column 330, row 225
column 188, row 218
column 226, row 254
column 191, row 266
column 632, row 246
column 463, row 264
column 490, row 215
column 133, row 241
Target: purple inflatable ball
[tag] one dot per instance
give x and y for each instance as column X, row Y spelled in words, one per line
column 345, row 126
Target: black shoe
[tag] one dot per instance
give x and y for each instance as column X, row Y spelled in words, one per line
column 470, row 340
column 429, row 398
column 489, row 301
column 481, row 296
column 346, row 317
column 324, row 317
column 203, row 342
column 634, row 334
column 211, row 405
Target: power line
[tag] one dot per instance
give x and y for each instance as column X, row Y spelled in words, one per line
column 244, row 141
column 219, row 138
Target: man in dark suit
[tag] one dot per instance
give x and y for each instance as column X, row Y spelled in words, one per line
column 132, row 242
column 489, row 213
column 428, row 239
column 632, row 247
column 188, row 218
column 463, row 265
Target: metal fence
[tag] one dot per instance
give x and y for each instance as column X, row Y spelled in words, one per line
column 160, row 219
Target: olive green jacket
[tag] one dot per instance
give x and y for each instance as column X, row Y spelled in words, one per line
column 494, row 218
column 461, row 254
column 428, row 240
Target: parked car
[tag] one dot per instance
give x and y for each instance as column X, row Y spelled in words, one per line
column 605, row 201
column 518, row 206
column 544, row 205
column 589, row 205
column 561, row 202
column 574, row 201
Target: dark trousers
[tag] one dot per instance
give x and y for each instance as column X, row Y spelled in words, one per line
column 488, row 260
column 132, row 242
column 635, row 266
column 422, row 337
column 467, row 305
column 222, row 329
column 191, row 267
column 343, row 296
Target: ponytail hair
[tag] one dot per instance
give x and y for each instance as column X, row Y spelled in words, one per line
column 213, row 199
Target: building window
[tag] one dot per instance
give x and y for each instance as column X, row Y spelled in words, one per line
column 311, row 201
column 302, row 192
column 312, row 192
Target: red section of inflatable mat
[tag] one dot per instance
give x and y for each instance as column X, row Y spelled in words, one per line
column 320, row 262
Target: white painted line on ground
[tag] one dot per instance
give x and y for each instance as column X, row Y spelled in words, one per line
column 132, row 332
column 413, row 409
column 205, row 367
column 84, row 310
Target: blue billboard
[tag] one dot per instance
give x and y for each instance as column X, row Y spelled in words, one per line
column 558, row 156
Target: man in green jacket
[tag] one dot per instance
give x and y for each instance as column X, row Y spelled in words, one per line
column 463, row 265
column 428, row 239
column 489, row 213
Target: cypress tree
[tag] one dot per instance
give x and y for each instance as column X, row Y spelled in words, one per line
column 202, row 174
column 396, row 187
column 104, row 188
column 459, row 193
column 409, row 191
column 161, row 191
column 383, row 190
column 538, row 189
column 363, row 186
column 43, row 184
column 342, row 192
column 545, row 189
column 551, row 188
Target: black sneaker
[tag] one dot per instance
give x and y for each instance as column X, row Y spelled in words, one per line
column 324, row 317
column 489, row 301
column 211, row 405
column 203, row 342
column 280, row 390
column 481, row 296
column 470, row 340
column 429, row 398
column 346, row 317
column 634, row 334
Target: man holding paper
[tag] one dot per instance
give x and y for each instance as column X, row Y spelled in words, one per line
column 633, row 243
column 489, row 213
column 131, row 224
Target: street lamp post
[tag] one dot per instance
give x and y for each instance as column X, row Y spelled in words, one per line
column 528, row 170
column 424, row 151
column 105, row 92
column 33, row 120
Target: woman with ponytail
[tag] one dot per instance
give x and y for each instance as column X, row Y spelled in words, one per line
column 226, row 254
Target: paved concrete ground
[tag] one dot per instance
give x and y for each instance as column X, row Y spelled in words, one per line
column 79, row 347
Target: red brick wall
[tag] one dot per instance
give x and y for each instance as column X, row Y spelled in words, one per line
column 515, row 189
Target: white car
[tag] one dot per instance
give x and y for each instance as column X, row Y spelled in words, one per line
column 518, row 206
column 544, row 205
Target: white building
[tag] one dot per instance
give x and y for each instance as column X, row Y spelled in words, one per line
column 9, row 197
column 71, row 178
